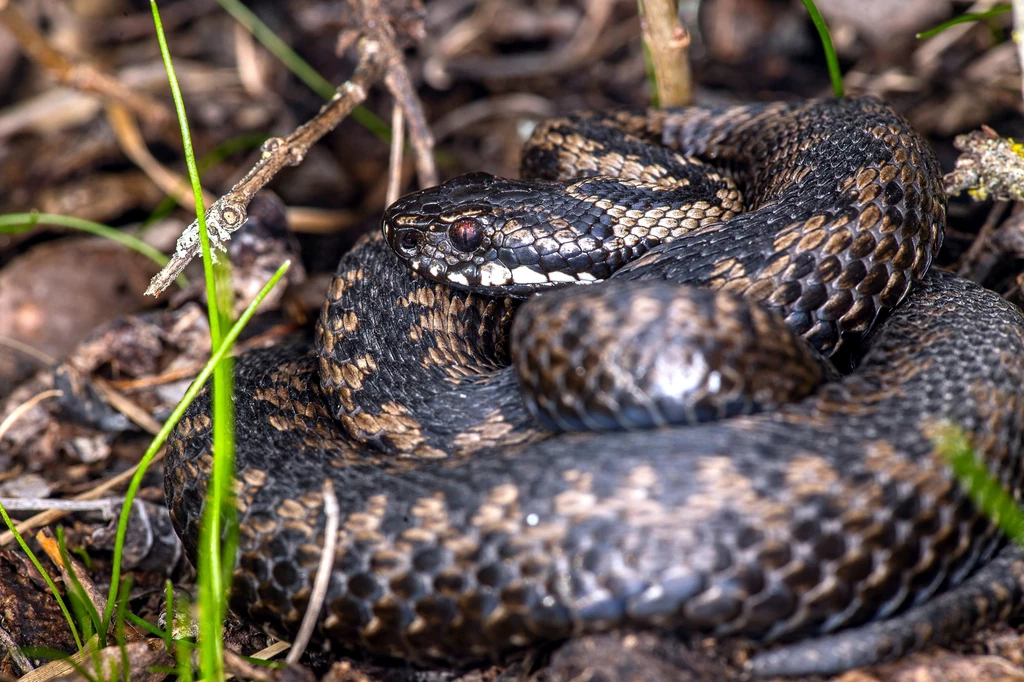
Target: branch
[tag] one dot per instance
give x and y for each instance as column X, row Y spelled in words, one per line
column 668, row 42
column 228, row 213
column 990, row 166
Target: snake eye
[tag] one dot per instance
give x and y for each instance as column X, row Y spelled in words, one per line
column 466, row 235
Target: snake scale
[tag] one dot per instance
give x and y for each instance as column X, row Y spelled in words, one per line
column 726, row 481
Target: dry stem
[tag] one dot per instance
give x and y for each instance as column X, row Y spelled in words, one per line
column 668, row 42
column 49, row 516
column 83, row 77
column 323, row 574
column 379, row 57
column 228, row 213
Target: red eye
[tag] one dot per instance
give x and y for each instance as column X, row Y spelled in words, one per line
column 466, row 235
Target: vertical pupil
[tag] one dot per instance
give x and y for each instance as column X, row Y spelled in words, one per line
column 465, row 235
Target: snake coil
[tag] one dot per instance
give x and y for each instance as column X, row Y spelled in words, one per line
column 471, row 529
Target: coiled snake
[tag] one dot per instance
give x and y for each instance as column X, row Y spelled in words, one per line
column 475, row 523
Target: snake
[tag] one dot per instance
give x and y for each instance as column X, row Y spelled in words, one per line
column 600, row 397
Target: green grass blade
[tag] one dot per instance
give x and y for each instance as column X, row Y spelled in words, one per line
column 277, row 665
column 12, row 223
column 830, row 51
column 985, row 491
column 39, row 567
column 172, row 421
column 277, row 47
column 963, row 19
column 218, row 512
column 168, row 613
column 217, row 516
column 119, row 637
column 190, row 162
column 299, row 66
column 89, row 613
column 148, row 627
column 83, row 556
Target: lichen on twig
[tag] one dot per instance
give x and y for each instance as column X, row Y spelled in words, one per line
column 379, row 58
column 989, row 166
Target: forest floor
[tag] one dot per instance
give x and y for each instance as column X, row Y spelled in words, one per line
column 87, row 129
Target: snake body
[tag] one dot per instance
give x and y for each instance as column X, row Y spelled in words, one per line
column 470, row 529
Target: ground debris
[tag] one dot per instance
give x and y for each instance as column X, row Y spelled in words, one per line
column 28, row 611
column 939, row 666
column 54, row 295
column 163, row 341
column 138, row 658
column 150, row 542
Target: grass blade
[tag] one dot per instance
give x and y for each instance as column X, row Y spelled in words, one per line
column 299, row 66
column 831, row 59
column 219, row 508
column 172, row 421
column 77, row 590
column 12, row 223
column 963, row 19
column 985, row 491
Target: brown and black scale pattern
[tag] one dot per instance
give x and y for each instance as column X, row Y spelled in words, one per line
column 825, row 514
column 845, row 209
column 728, row 357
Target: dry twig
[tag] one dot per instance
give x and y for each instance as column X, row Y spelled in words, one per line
column 379, row 57
column 14, row 651
column 396, row 159
column 236, row 666
column 989, row 166
column 126, row 406
column 668, row 42
column 580, row 48
column 20, row 410
column 228, row 213
column 26, row 349
column 83, row 77
column 323, row 574
column 108, row 506
column 967, row 264
column 421, row 138
column 138, row 657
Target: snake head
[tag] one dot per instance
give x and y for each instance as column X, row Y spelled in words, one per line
column 492, row 235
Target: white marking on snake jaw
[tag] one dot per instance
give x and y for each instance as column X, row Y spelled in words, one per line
column 557, row 276
column 459, row 278
column 525, row 275
column 494, row 274
column 586, row 277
